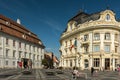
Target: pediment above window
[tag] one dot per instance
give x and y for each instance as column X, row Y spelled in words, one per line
column 107, row 15
column 71, row 25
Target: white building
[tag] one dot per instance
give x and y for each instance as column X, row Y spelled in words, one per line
column 91, row 40
column 17, row 42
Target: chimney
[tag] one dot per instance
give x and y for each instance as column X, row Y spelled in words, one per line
column 18, row 21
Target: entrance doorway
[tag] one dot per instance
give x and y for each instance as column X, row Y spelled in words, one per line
column 107, row 63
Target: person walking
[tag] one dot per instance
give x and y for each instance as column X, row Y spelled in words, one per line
column 92, row 71
column 119, row 70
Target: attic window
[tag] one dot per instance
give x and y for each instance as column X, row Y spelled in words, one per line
column 107, row 17
column 7, row 23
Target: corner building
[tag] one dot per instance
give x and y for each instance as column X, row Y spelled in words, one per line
column 17, row 43
column 91, row 40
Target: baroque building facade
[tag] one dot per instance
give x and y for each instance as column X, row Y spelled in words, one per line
column 91, row 40
column 17, row 43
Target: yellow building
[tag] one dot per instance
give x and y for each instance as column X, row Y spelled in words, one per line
column 91, row 40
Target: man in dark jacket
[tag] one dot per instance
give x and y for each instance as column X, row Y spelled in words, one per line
column 92, row 71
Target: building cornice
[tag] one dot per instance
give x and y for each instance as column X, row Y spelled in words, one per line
column 88, row 26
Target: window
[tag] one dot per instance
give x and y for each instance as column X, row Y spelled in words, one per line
column 86, row 63
column 96, row 36
column 0, row 40
column 107, row 48
column 25, row 55
column 86, row 48
column 25, row 46
column 70, row 27
column 107, row 17
column 13, row 63
column 70, row 42
column 19, row 44
column 34, row 48
column 116, row 37
column 13, row 43
column 116, row 49
column 37, row 57
column 14, row 53
column 20, row 54
column 33, row 56
column 7, row 40
column 65, row 43
column 116, row 62
column 6, row 63
column 85, row 37
column 30, row 55
column 7, row 51
column 30, row 47
column 96, row 48
column 0, row 51
column 107, row 36
column 96, row 62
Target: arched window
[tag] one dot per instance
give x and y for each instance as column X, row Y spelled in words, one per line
column 86, row 63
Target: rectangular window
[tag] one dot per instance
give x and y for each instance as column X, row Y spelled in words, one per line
column 1, row 51
column 96, row 36
column 14, row 53
column 30, row 47
column 116, row 49
column 20, row 54
column 7, row 41
column 96, row 62
column 37, row 57
column 65, row 43
column 70, row 42
column 25, row 46
column 13, row 43
column 13, row 63
column 30, row 55
column 86, row 48
column 107, row 36
column 33, row 56
column 7, row 51
column 0, row 40
column 86, row 37
column 19, row 44
column 107, row 48
column 116, row 37
column 6, row 63
column 96, row 48
column 116, row 62
column 34, row 48
column 25, row 55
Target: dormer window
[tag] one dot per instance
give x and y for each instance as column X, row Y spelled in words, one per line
column 70, row 27
column 107, row 17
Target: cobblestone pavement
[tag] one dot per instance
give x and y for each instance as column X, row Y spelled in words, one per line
column 55, row 74
column 106, row 75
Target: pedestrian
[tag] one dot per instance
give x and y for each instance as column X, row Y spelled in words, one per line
column 119, row 70
column 92, row 71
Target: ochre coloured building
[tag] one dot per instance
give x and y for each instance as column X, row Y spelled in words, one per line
column 91, row 40
column 18, row 44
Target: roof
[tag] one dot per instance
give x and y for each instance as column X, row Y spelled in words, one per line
column 12, row 28
column 82, row 17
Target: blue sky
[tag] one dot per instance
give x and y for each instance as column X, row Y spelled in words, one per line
column 48, row 18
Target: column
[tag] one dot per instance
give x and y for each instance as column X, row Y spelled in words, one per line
column 90, row 63
column 113, row 64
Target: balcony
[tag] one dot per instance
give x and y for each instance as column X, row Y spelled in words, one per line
column 85, row 42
